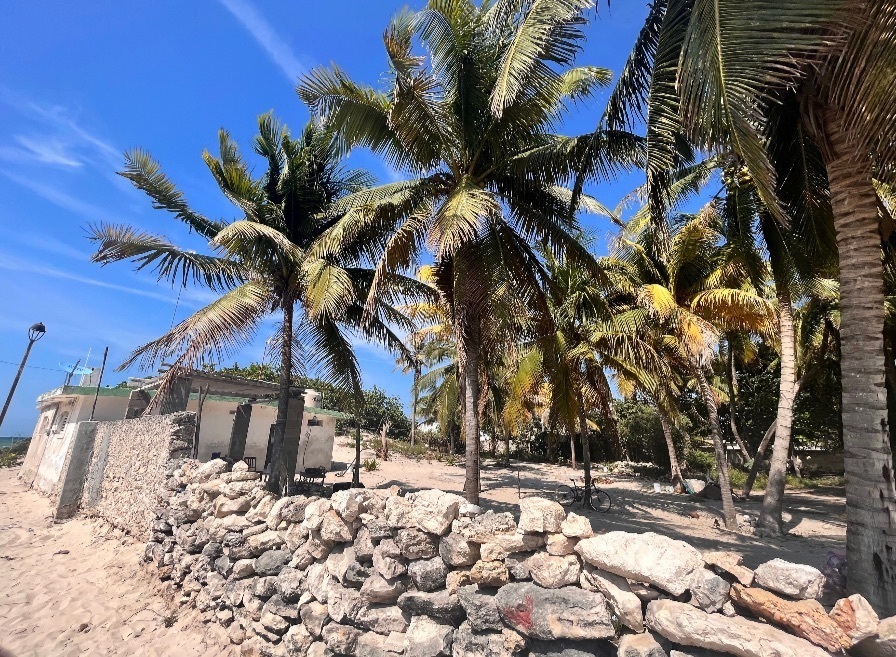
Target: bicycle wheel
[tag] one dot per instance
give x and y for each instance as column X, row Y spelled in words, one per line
column 600, row 500
column 565, row 495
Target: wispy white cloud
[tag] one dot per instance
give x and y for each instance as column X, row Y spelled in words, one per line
column 62, row 199
column 40, row 151
column 62, row 140
column 264, row 33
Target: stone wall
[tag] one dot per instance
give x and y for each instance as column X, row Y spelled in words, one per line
column 374, row 574
column 131, row 463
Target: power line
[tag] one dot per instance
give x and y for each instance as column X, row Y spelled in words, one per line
column 35, row 367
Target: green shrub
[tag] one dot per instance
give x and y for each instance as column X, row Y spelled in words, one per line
column 370, row 465
column 12, row 456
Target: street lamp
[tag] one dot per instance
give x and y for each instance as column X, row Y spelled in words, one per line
column 35, row 333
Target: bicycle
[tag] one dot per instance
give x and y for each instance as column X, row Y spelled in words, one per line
column 599, row 499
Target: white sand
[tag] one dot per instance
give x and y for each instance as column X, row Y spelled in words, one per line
column 95, row 600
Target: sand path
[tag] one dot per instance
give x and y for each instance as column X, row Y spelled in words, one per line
column 94, row 599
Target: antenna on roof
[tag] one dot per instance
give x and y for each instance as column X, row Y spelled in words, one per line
column 72, row 369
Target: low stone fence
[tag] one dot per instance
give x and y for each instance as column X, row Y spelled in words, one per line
column 372, row 574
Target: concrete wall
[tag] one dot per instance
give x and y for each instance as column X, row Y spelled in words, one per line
column 316, row 443
column 130, row 463
column 50, row 444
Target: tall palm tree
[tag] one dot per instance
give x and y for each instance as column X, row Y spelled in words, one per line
column 471, row 122
column 683, row 289
column 260, row 264
column 745, row 76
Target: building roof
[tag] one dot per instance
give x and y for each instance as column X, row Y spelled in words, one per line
column 87, row 391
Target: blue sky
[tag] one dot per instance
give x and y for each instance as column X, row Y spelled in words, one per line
column 80, row 83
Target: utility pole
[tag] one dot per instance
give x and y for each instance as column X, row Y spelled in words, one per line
column 35, row 333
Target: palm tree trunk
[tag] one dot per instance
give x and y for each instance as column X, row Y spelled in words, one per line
column 677, row 480
column 757, row 459
column 278, row 429
column 721, row 462
column 770, row 520
column 868, row 459
column 414, row 406
column 572, row 447
column 586, row 447
column 471, row 415
column 732, row 404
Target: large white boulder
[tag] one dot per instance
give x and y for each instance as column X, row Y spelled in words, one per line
column 793, row 579
column 659, row 560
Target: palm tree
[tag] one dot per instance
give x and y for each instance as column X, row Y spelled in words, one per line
column 684, row 291
column 745, row 77
column 470, row 122
column 259, row 264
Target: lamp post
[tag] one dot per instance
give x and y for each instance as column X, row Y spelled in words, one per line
column 35, row 333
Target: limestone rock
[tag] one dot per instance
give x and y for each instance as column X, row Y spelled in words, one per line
column 731, row 563
column 489, row 573
column 481, row 609
column 417, row 544
column 792, row 579
column 492, row 552
column 266, row 540
column 518, row 566
column 804, row 618
column 567, row 613
column 648, row 557
column 553, row 572
column 538, row 515
column 455, row 550
column 560, row 545
column 625, row 604
column 428, row 574
column 576, row 526
column 383, row 619
column 640, row 645
column 398, row 512
column 271, row 562
column 681, row 623
column 883, row 644
column 315, row 511
column 243, row 568
column 379, row 589
column 297, row 640
column 207, row 471
column 855, row 617
column 276, row 605
column 441, row 605
column 343, row 605
column 709, row 591
column 370, row 644
column 341, row 639
column 289, row 584
column 469, row 643
column 274, row 623
column 363, row 545
column 433, row 511
column 318, row 582
column 293, row 509
column 334, row 528
column 264, row 587
column 484, row 528
column 427, row 637
column 387, row 559
column 458, row 578
column 348, row 503
column 225, row 506
column 314, row 616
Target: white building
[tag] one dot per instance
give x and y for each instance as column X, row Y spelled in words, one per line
column 63, row 408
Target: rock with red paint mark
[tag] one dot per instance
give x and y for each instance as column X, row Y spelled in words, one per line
column 567, row 613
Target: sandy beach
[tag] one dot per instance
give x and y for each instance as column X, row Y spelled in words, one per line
column 78, row 588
